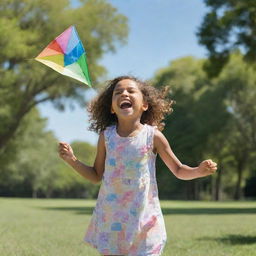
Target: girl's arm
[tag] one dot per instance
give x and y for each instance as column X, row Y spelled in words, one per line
column 180, row 170
column 92, row 173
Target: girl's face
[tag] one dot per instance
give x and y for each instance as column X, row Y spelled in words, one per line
column 127, row 100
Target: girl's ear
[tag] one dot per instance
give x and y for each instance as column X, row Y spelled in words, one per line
column 145, row 106
column 112, row 110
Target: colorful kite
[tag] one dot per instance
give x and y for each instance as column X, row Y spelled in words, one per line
column 66, row 55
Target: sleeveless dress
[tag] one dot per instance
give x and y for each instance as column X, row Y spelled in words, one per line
column 127, row 219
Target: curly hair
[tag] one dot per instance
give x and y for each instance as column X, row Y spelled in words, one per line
column 159, row 105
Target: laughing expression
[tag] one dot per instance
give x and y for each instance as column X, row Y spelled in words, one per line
column 127, row 99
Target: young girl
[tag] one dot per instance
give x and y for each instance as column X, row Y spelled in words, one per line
column 127, row 219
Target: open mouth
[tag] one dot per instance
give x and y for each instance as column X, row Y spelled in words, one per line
column 125, row 104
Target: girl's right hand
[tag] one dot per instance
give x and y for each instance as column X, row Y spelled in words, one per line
column 66, row 152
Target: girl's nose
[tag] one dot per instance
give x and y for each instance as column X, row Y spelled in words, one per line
column 125, row 93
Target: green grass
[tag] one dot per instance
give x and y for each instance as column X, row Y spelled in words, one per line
column 56, row 227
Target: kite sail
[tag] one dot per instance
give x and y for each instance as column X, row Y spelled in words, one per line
column 66, row 55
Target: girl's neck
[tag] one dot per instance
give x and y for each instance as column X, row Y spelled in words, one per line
column 127, row 129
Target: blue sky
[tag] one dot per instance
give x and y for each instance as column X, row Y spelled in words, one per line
column 160, row 31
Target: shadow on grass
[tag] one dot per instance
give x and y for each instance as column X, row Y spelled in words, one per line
column 232, row 239
column 167, row 211
column 76, row 210
column 217, row 210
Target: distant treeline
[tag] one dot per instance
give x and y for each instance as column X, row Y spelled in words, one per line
column 211, row 119
column 214, row 115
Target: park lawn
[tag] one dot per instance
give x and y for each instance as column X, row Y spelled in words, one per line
column 57, row 226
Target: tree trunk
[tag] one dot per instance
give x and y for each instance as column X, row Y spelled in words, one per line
column 191, row 190
column 34, row 194
column 217, row 187
column 48, row 193
column 240, row 166
column 218, row 184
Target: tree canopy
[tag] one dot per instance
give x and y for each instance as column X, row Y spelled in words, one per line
column 212, row 118
column 26, row 27
column 228, row 25
column 35, row 169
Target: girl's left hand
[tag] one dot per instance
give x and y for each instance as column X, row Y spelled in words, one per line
column 207, row 167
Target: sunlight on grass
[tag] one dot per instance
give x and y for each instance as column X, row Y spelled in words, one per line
column 57, row 226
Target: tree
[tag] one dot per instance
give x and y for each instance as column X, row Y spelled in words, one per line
column 228, row 25
column 35, row 168
column 34, row 161
column 26, row 27
column 239, row 80
column 191, row 125
column 212, row 118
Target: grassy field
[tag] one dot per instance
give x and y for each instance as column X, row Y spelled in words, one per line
column 56, row 227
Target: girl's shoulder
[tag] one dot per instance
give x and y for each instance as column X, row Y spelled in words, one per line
column 152, row 128
column 109, row 130
column 155, row 133
column 150, row 131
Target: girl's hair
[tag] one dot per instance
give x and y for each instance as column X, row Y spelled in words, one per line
column 158, row 105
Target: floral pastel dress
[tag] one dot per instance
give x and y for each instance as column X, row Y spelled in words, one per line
column 127, row 219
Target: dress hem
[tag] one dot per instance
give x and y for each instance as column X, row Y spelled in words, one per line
column 120, row 253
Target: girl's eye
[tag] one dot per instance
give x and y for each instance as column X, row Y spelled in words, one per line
column 120, row 92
